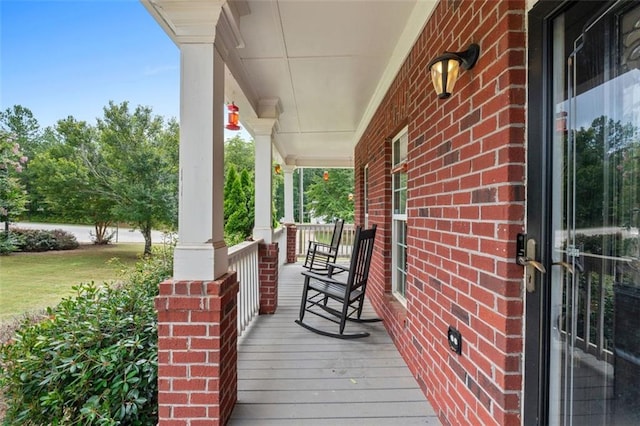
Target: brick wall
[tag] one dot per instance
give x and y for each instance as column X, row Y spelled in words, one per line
column 292, row 230
column 197, row 351
column 465, row 206
column 268, row 270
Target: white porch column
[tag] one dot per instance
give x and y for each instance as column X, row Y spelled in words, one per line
column 288, row 194
column 201, row 253
column 263, row 151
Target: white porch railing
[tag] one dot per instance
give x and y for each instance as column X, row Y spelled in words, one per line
column 315, row 232
column 243, row 258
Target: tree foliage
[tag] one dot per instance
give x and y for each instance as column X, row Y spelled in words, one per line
column 61, row 174
column 13, row 198
column 239, row 153
column 239, row 197
column 25, row 130
column 20, row 121
column 238, row 201
column 134, row 167
column 329, row 199
column 610, row 146
column 321, row 200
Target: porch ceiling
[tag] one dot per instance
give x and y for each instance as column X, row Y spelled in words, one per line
column 327, row 63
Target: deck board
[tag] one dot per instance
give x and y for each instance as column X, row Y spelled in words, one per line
column 288, row 375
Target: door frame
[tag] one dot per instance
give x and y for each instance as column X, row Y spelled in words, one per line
column 539, row 183
column 536, row 349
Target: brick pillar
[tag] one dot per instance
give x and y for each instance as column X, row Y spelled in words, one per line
column 291, row 242
column 197, row 353
column 268, row 272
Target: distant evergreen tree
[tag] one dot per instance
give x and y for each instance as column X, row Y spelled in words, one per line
column 248, row 187
column 229, row 181
column 235, row 209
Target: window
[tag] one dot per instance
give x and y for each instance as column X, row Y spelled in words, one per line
column 399, row 215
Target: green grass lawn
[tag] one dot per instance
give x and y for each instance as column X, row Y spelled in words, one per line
column 33, row 281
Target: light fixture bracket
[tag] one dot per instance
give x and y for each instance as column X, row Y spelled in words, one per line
column 466, row 58
column 445, row 68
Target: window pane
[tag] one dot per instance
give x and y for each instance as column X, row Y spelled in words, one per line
column 399, row 188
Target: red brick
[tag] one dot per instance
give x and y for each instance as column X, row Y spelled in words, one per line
column 189, row 412
column 173, row 398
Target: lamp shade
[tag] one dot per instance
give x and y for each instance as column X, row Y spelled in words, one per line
column 445, row 69
column 444, row 74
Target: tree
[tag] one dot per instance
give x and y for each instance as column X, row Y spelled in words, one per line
column 329, row 199
column 610, row 146
column 239, row 197
column 248, row 189
column 61, row 174
column 20, row 122
column 235, row 208
column 13, row 197
column 278, row 195
column 240, row 153
column 136, row 167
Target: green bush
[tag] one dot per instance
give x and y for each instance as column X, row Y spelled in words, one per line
column 65, row 240
column 93, row 360
column 33, row 240
column 8, row 243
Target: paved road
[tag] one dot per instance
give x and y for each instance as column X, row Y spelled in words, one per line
column 83, row 233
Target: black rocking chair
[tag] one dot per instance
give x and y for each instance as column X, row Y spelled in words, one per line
column 320, row 255
column 322, row 291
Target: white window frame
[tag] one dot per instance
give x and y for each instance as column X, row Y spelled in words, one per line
column 399, row 150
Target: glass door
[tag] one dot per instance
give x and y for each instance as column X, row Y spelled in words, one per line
column 593, row 281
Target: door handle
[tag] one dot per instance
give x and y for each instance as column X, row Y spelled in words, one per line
column 565, row 265
column 526, row 258
column 525, row 261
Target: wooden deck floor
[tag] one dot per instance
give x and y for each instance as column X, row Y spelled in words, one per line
column 288, row 375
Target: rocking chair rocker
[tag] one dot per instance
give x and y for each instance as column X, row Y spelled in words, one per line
column 347, row 297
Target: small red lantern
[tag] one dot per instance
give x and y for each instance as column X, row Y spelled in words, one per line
column 232, row 117
column 325, row 175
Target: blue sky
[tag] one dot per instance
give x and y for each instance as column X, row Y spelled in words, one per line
column 61, row 58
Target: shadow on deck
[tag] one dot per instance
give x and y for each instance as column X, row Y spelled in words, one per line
column 289, row 375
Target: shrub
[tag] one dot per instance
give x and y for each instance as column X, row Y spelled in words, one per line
column 32, row 240
column 93, row 360
column 65, row 240
column 8, row 243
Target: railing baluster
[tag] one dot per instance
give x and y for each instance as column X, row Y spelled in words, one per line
column 587, row 314
column 322, row 232
column 243, row 258
column 601, row 312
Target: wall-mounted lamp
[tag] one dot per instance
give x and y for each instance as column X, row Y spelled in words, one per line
column 277, row 168
column 325, row 176
column 445, row 69
column 232, row 121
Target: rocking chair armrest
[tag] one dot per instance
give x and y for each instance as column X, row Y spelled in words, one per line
column 332, row 266
column 316, row 245
column 322, row 278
